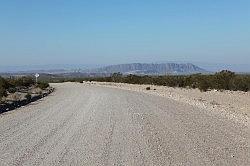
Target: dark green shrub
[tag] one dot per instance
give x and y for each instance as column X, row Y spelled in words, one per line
column 28, row 96
column 203, row 85
column 2, row 92
column 42, row 85
column 21, row 82
column 116, row 77
column 222, row 79
column 240, row 83
column 3, row 86
column 12, row 90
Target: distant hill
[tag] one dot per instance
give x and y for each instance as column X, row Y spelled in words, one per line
column 149, row 69
column 132, row 68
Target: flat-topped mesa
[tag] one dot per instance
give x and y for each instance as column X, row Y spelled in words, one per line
column 150, row 69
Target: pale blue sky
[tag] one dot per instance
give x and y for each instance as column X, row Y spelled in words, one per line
column 124, row 31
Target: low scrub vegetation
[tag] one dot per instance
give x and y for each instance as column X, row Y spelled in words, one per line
column 28, row 96
column 42, row 85
column 3, row 87
column 11, row 85
column 224, row 80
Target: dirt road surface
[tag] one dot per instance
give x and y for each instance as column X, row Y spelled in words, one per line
column 91, row 125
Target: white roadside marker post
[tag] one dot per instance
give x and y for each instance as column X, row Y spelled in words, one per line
column 36, row 75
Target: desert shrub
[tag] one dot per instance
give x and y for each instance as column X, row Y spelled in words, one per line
column 3, row 86
column 42, row 85
column 203, row 85
column 11, row 85
column 12, row 90
column 116, row 77
column 133, row 79
column 222, row 80
column 21, row 82
column 28, row 96
column 2, row 92
column 240, row 83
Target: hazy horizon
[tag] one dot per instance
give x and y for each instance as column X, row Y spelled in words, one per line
column 117, row 32
column 212, row 67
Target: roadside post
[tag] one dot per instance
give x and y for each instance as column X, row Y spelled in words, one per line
column 36, row 75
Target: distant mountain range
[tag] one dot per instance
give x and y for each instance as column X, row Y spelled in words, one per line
column 132, row 68
column 149, row 69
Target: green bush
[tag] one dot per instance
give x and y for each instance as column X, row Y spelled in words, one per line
column 11, row 85
column 12, row 90
column 28, row 96
column 21, row 82
column 203, row 85
column 3, row 87
column 42, row 85
column 116, row 77
column 2, row 92
column 224, row 80
column 240, row 83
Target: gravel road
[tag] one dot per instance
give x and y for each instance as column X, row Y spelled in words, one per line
column 91, row 125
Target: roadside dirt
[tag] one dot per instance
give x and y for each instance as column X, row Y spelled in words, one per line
column 234, row 105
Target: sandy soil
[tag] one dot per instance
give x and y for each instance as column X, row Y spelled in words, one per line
column 234, row 105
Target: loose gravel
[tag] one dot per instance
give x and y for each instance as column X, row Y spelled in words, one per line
column 82, row 124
